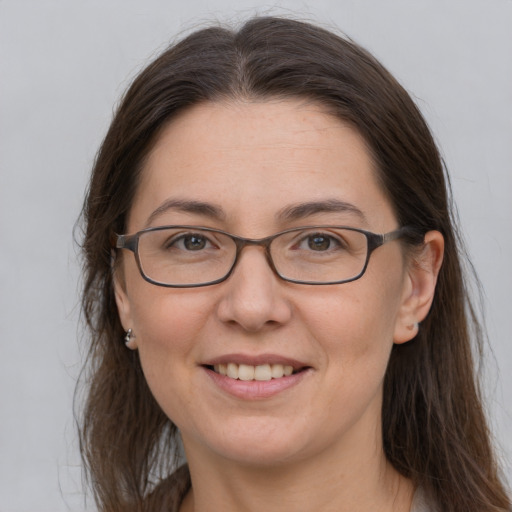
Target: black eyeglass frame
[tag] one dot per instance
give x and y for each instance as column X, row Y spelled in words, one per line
column 374, row 241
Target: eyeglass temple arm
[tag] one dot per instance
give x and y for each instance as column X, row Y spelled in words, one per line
column 414, row 234
column 125, row 242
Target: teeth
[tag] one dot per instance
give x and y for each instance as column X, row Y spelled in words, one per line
column 277, row 371
column 248, row 372
column 263, row 372
column 232, row 370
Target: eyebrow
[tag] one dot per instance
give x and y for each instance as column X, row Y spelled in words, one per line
column 301, row 210
column 288, row 213
column 188, row 206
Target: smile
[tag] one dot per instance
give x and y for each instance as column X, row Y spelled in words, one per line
column 250, row 377
column 247, row 372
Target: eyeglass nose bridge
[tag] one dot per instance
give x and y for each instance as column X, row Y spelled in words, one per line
column 241, row 243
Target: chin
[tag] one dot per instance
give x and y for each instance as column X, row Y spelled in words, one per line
column 260, row 454
column 256, row 442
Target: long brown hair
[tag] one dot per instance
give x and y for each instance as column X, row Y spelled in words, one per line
column 433, row 425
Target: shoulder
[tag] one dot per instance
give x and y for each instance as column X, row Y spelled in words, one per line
column 169, row 494
column 421, row 502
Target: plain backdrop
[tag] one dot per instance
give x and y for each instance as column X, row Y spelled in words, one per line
column 63, row 65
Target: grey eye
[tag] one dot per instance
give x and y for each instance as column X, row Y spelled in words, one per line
column 319, row 242
column 191, row 242
column 194, row 242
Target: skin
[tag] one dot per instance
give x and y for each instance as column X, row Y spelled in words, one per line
column 316, row 445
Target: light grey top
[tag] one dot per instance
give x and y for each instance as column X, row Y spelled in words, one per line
column 420, row 503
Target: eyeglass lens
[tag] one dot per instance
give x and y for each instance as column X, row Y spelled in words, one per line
column 183, row 256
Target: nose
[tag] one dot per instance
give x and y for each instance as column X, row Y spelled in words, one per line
column 253, row 295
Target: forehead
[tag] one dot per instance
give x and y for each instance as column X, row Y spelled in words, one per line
column 252, row 159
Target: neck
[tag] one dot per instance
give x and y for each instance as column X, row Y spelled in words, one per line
column 354, row 481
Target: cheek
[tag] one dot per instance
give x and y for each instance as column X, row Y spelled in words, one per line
column 354, row 315
column 354, row 324
column 168, row 324
column 162, row 315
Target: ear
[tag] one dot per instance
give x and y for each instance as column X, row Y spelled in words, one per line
column 419, row 287
column 123, row 305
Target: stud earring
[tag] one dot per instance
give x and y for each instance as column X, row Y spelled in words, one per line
column 129, row 339
column 413, row 327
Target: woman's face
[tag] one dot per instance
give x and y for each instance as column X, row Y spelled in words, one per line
column 251, row 165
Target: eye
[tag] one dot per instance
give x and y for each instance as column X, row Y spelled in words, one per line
column 320, row 242
column 194, row 242
column 189, row 242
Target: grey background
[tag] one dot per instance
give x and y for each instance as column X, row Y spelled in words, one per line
column 63, row 64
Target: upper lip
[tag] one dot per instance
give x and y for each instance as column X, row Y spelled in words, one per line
column 256, row 360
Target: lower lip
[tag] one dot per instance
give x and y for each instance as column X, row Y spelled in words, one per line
column 255, row 389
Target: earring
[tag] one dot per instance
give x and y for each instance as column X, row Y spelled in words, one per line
column 413, row 327
column 129, row 339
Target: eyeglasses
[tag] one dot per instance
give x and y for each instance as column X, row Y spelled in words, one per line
column 191, row 256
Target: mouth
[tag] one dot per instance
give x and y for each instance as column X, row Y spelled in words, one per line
column 260, row 372
column 255, row 377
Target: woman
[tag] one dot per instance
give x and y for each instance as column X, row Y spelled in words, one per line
column 268, row 230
